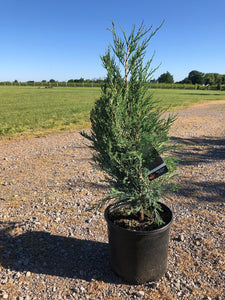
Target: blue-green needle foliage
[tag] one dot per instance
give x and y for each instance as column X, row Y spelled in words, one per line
column 127, row 123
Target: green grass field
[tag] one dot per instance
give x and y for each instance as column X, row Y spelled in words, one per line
column 31, row 110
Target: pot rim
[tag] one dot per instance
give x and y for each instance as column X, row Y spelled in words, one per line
column 138, row 232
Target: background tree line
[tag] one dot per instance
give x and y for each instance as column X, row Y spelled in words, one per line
column 195, row 79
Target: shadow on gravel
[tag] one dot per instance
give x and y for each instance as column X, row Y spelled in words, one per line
column 43, row 253
column 209, row 191
column 80, row 183
column 212, row 149
column 198, row 152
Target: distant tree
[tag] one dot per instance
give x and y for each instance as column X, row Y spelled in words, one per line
column 166, row 78
column 218, row 78
column 185, row 80
column 70, row 81
column 209, row 78
column 223, row 79
column 79, row 80
column 52, row 81
column 214, row 78
column 196, row 77
column 219, row 84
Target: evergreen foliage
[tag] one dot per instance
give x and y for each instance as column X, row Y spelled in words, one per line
column 127, row 123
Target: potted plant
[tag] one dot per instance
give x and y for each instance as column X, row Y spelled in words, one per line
column 129, row 135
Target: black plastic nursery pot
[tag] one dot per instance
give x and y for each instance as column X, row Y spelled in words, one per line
column 138, row 256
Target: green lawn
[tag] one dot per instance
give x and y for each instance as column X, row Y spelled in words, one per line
column 179, row 98
column 30, row 110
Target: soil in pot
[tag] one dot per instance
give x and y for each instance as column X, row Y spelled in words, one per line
column 133, row 221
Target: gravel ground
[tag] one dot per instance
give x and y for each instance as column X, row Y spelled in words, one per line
column 52, row 248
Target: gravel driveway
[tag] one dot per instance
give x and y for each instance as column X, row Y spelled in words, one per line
column 51, row 247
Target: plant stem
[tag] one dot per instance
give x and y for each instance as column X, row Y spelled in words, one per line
column 126, row 67
column 142, row 216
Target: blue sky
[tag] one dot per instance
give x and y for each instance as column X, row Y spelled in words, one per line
column 63, row 39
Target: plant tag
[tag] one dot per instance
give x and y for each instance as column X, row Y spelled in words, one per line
column 158, row 167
